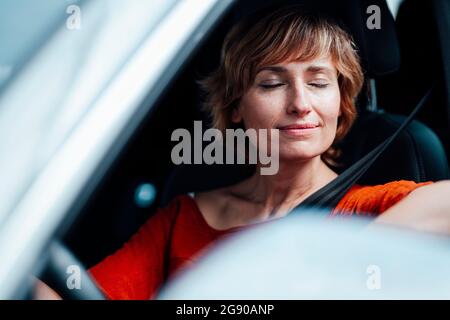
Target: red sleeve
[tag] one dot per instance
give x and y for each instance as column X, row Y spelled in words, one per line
column 374, row 200
column 136, row 270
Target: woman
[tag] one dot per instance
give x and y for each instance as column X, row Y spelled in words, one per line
column 282, row 70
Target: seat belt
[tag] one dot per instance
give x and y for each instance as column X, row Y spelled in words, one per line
column 330, row 195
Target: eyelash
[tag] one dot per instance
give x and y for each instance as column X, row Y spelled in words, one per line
column 273, row 86
column 319, row 85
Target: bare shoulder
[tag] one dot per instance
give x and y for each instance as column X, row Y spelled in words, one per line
column 216, row 205
column 212, row 201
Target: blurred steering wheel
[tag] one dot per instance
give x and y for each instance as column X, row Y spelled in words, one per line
column 55, row 274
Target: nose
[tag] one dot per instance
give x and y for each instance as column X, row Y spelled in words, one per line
column 299, row 103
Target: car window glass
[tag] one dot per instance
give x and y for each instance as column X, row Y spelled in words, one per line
column 56, row 58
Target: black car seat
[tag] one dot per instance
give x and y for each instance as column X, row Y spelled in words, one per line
column 416, row 155
column 422, row 63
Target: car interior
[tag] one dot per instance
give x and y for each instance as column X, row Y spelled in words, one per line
column 401, row 61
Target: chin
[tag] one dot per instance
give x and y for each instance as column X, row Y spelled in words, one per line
column 303, row 155
column 303, row 150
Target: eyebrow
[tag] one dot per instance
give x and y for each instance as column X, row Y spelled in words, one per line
column 277, row 69
column 320, row 69
column 310, row 69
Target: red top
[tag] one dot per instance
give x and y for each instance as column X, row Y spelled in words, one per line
column 140, row 267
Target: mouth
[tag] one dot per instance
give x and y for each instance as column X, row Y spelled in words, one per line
column 299, row 126
column 299, row 129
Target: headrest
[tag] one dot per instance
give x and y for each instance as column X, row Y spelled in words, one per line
column 378, row 47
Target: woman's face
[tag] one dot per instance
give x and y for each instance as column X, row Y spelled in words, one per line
column 301, row 99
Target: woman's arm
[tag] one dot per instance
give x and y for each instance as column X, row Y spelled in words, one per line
column 425, row 209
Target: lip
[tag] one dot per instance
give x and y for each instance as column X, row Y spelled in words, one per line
column 301, row 126
column 299, row 130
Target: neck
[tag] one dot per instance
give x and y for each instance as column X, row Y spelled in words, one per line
column 293, row 183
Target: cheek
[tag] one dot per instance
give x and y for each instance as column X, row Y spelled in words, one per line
column 329, row 109
column 260, row 110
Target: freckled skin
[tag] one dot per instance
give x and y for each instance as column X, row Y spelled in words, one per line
column 305, row 91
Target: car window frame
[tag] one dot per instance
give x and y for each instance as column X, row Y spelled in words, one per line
column 42, row 219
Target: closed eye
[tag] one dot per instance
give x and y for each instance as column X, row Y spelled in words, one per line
column 271, row 86
column 319, row 85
